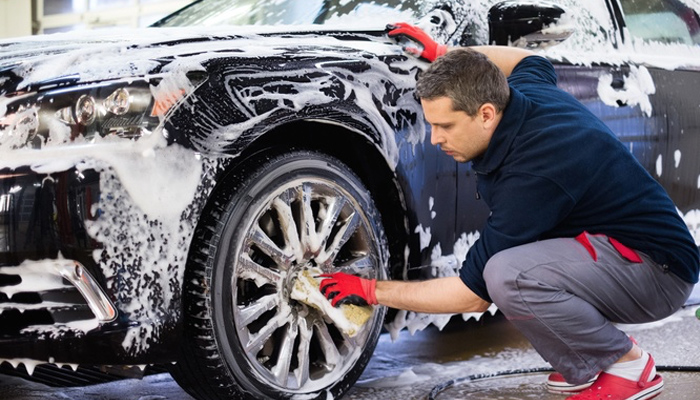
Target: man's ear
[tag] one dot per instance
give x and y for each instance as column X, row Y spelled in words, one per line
column 487, row 113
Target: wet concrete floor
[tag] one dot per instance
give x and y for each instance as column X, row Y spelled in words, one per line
column 413, row 366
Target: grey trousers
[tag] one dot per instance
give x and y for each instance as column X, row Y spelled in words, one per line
column 565, row 303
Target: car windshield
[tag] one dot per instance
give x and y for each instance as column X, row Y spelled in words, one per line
column 340, row 13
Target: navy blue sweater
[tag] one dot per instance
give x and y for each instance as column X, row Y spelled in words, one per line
column 553, row 169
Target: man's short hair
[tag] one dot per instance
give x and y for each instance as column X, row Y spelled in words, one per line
column 468, row 78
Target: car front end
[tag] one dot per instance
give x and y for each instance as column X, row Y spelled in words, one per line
column 78, row 149
column 117, row 153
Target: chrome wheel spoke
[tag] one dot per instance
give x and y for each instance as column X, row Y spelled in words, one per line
column 345, row 232
column 328, row 346
column 309, row 238
column 250, row 270
column 282, row 368
column 329, row 217
column 270, row 248
column 302, row 371
column 252, row 312
column 258, row 340
column 289, row 228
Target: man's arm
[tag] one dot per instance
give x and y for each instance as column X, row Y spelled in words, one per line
column 440, row 295
column 505, row 58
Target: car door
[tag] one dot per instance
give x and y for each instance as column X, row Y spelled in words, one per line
column 663, row 37
column 645, row 87
column 603, row 79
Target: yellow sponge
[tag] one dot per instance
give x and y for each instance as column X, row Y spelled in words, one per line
column 349, row 318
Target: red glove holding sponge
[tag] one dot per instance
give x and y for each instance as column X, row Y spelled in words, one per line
column 341, row 288
column 425, row 47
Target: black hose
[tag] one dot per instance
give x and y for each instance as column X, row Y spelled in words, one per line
column 447, row 384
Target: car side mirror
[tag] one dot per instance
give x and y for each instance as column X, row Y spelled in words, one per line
column 526, row 24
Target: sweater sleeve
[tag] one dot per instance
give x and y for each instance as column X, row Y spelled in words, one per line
column 533, row 69
column 525, row 207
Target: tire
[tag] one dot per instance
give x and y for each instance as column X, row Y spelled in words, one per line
column 244, row 337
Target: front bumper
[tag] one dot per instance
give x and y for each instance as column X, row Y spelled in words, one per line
column 54, row 301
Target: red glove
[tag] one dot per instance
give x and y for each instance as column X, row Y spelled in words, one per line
column 427, row 48
column 341, row 288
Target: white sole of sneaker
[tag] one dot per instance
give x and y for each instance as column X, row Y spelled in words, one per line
column 567, row 388
column 648, row 393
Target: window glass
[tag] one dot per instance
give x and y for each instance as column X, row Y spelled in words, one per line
column 53, row 7
column 243, row 12
column 147, row 20
column 65, row 28
column 101, row 4
column 274, row 12
column 666, row 21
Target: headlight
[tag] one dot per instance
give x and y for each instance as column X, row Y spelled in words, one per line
column 78, row 115
column 121, row 111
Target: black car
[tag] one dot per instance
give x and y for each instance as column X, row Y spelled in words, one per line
column 161, row 189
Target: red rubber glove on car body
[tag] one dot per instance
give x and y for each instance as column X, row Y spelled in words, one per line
column 341, row 288
column 428, row 49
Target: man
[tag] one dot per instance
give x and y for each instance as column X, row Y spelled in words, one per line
column 580, row 236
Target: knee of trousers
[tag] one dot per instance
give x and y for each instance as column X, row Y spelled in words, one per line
column 501, row 274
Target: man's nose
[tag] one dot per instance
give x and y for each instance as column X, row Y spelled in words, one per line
column 435, row 137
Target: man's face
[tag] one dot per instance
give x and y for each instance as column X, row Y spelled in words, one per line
column 460, row 136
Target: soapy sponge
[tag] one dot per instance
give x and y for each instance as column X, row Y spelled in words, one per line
column 348, row 318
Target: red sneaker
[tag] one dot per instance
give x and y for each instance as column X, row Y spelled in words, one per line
column 613, row 387
column 557, row 384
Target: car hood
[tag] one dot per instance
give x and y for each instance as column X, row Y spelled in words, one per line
column 43, row 60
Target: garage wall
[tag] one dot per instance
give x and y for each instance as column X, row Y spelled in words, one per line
column 27, row 17
column 15, row 18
